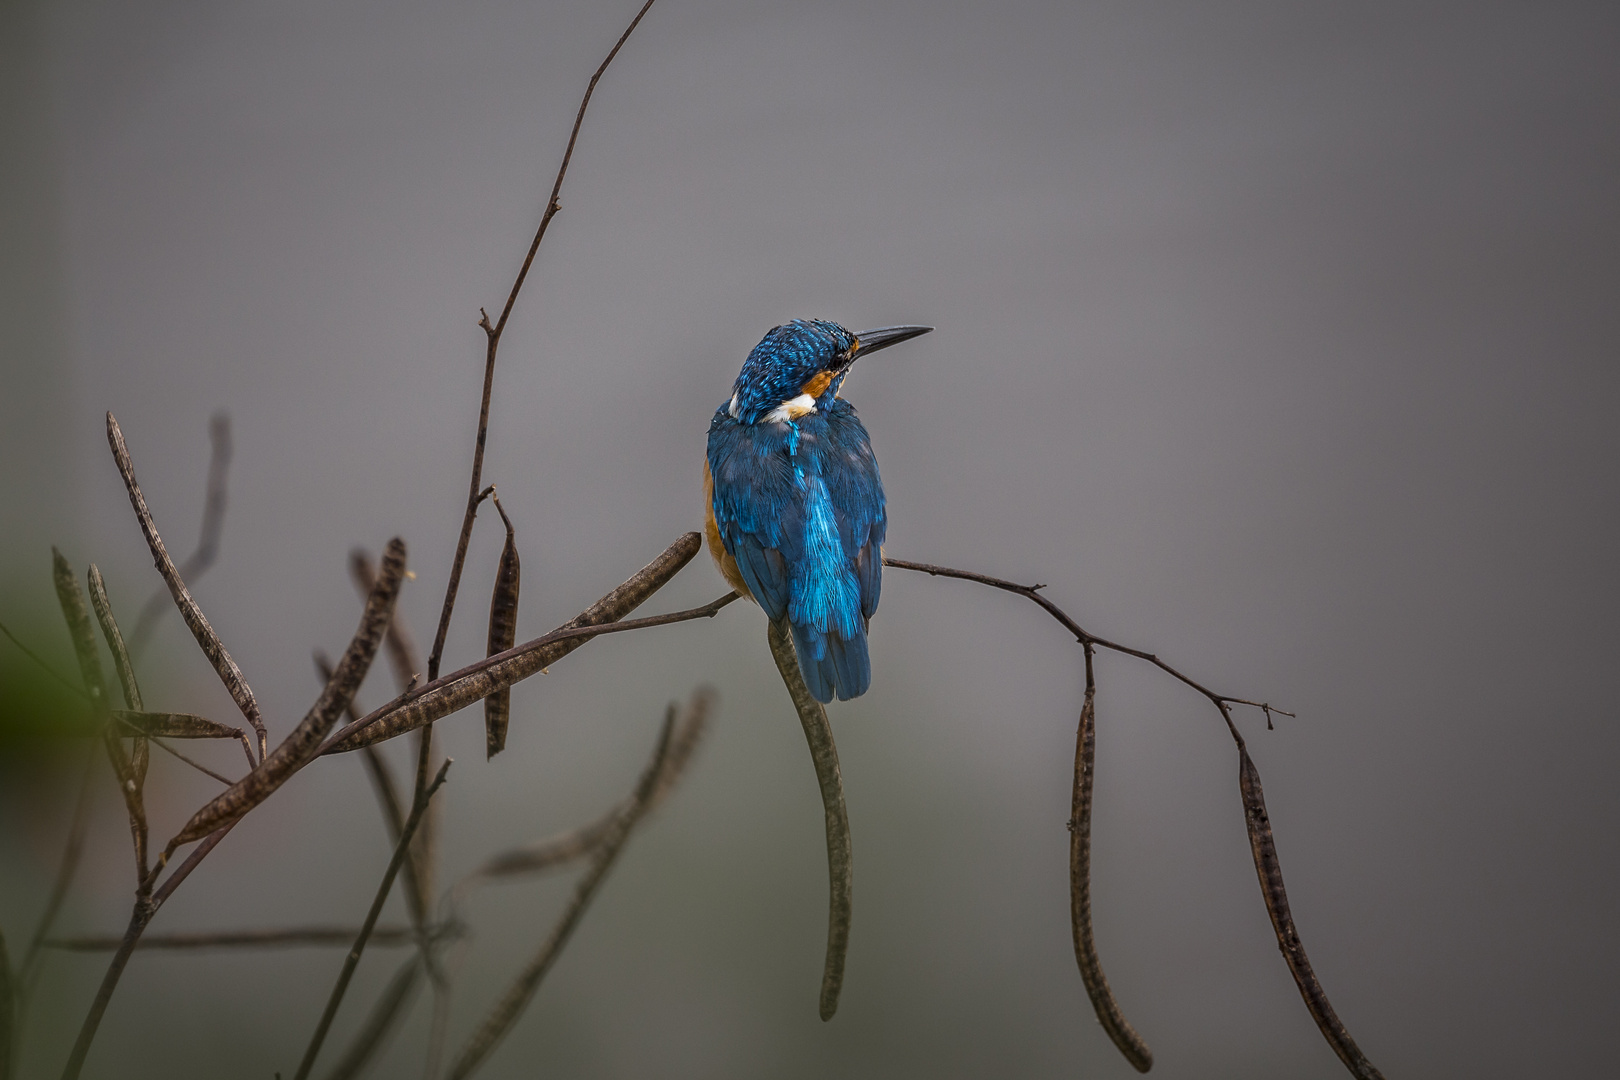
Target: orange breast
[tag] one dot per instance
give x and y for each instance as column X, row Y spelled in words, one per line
column 711, row 534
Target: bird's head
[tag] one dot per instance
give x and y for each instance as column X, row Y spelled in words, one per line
column 801, row 364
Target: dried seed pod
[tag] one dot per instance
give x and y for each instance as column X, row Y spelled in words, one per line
column 503, row 608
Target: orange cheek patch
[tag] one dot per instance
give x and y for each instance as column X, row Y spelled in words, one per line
column 817, row 385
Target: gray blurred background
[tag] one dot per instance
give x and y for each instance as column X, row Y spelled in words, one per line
column 1279, row 339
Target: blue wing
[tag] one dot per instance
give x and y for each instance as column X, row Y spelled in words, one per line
column 800, row 509
column 857, row 497
column 754, row 505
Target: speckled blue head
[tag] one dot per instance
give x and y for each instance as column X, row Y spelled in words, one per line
column 801, row 364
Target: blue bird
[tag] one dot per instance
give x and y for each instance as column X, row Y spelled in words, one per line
column 795, row 505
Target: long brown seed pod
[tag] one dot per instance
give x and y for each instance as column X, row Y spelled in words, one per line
column 207, row 639
column 131, row 771
column 174, row 725
column 77, row 617
column 1264, row 847
column 1109, row 1013
column 297, row 749
column 115, row 640
column 477, row 681
column 84, row 646
column 503, row 612
column 840, row 861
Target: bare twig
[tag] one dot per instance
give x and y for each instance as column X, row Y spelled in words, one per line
column 1109, row 1013
column 840, row 862
column 299, row 747
column 38, row 660
column 145, row 907
column 1032, row 592
column 1256, row 821
column 284, row 938
column 476, row 681
column 213, row 522
column 199, row 766
column 207, row 639
column 390, row 1006
column 352, row 961
column 8, row 1011
column 517, row 997
column 72, row 852
column 492, row 345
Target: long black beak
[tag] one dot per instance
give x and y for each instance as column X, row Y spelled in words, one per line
column 884, row 336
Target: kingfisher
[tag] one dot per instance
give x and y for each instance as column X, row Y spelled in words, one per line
column 795, row 515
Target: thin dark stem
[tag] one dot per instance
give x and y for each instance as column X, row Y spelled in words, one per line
column 72, row 852
column 492, row 345
column 43, row 666
column 1032, row 592
column 199, row 766
column 145, row 908
column 10, row 996
column 352, row 961
column 284, row 938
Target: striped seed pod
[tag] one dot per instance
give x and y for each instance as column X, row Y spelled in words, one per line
column 503, row 610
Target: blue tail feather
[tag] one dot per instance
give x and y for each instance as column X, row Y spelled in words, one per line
column 831, row 665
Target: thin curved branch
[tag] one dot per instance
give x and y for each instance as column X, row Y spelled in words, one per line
column 840, row 861
column 1256, row 820
column 492, row 336
column 1032, row 592
column 286, row 938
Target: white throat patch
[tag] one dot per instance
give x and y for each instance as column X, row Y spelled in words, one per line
column 792, row 409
